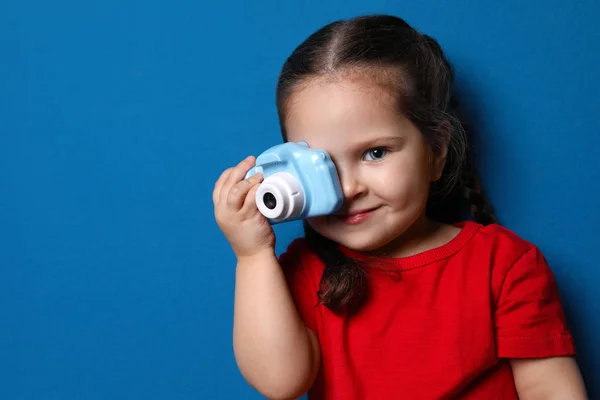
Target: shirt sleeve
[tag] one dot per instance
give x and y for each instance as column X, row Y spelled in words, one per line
column 300, row 267
column 529, row 319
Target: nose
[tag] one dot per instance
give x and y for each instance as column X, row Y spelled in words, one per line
column 352, row 184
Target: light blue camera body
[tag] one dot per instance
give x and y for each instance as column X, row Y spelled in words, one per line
column 299, row 183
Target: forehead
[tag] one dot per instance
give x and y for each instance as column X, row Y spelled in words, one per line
column 337, row 113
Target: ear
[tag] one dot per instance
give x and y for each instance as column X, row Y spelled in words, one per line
column 440, row 150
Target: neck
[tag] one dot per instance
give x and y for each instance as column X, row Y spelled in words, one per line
column 423, row 235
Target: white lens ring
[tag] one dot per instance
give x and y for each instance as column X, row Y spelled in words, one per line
column 270, row 212
column 287, row 193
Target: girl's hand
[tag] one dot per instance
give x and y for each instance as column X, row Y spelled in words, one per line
column 246, row 229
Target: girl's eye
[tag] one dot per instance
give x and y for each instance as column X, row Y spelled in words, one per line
column 375, row 154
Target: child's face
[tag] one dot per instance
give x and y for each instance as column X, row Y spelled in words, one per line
column 384, row 163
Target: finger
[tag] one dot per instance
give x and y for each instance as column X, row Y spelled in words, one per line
column 219, row 185
column 239, row 171
column 249, row 207
column 235, row 175
column 237, row 194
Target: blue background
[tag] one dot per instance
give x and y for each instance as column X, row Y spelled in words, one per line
column 117, row 117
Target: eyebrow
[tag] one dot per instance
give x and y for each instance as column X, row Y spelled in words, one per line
column 377, row 140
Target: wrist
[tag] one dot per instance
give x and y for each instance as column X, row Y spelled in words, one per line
column 260, row 256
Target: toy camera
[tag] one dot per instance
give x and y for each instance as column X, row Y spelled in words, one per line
column 299, row 182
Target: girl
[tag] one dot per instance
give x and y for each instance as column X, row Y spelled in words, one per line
column 393, row 296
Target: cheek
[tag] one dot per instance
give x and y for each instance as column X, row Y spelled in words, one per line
column 403, row 181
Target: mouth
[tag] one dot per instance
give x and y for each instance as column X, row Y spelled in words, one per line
column 355, row 217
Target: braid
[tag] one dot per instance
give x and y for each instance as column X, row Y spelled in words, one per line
column 471, row 190
column 459, row 193
column 343, row 284
column 460, row 175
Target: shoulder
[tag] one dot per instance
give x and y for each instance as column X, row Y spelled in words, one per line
column 500, row 244
column 299, row 257
column 513, row 260
column 303, row 269
column 502, row 235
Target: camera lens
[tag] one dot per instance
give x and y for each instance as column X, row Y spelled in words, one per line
column 270, row 200
column 280, row 197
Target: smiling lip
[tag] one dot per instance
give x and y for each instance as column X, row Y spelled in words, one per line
column 356, row 217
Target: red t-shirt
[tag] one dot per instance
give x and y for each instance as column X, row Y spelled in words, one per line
column 443, row 326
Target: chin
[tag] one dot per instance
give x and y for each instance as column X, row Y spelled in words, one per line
column 361, row 242
column 364, row 246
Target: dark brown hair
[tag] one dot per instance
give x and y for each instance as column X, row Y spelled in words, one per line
column 421, row 79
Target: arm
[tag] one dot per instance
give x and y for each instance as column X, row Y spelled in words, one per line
column 548, row 379
column 274, row 350
column 276, row 353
